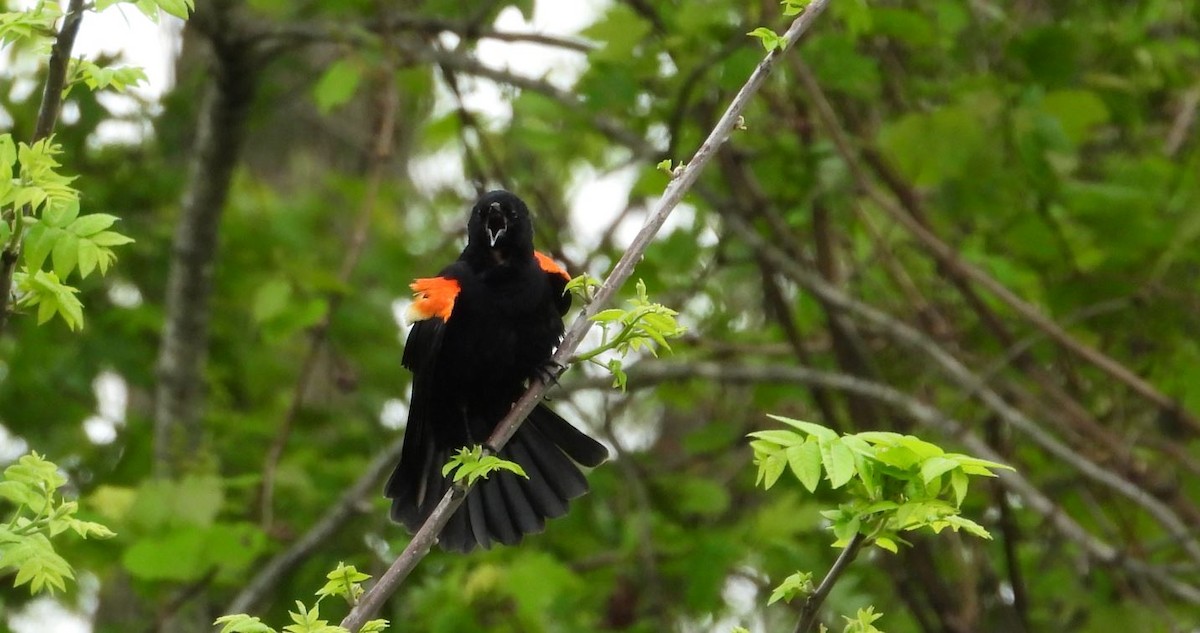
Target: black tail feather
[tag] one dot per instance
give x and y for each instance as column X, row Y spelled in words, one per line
column 575, row 443
column 525, row 519
column 504, row 507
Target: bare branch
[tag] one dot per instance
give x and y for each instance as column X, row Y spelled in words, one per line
column 427, row 534
column 971, row 384
column 649, row 373
column 949, row 258
column 302, row 33
column 184, row 345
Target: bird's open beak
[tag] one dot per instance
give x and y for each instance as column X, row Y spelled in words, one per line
column 497, row 224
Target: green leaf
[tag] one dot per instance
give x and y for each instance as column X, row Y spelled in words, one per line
column 23, row 494
column 782, row 438
column 805, row 461
column 620, row 378
column 608, row 316
column 794, row 7
column 935, row 467
column 178, row 8
column 797, row 584
column 769, row 39
column 36, row 563
column 177, row 556
column 821, row 432
column 110, row 238
column 35, row 471
column 39, row 241
column 374, row 626
column 619, row 31
column 8, row 151
column 959, row 481
column 771, row 468
column 42, row 289
column 65, row 255
column 976, row 466
column 271, row 300
column 883, row 542
column 862, row 622
column 91, row 224
column 242, row 623
column 88, row 256
column 61, row 213
column 838, row 461
column 89, row 529
column 337, row 84
column 345, row 581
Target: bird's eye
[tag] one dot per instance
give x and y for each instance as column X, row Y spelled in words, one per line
column 512, row 214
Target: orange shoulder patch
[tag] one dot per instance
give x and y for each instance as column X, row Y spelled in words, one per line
column 550, row 266
column 432, row 297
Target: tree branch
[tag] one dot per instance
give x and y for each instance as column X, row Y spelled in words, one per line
column 808, row 613
column 302, row 33
column 972, row 384
column 184, row 345
column 384, row 132
column 427, row 534
column 952, row 261
column 52, row 93
column 255, row 592
column 649, row 373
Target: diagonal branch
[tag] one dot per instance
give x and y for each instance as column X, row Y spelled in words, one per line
column 949, row 258
column 808, row 613
column 427, row 534
column 972, row 384
column 650, row 373
column 275, row 570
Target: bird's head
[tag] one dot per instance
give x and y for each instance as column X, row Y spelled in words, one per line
column 500, row 223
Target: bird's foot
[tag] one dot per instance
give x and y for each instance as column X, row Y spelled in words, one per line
column 549, row 372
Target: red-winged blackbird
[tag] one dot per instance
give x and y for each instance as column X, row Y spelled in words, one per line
column 484, row 327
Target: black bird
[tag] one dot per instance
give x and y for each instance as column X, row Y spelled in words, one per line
column 482, row 328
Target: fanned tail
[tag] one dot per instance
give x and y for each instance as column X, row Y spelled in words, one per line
column 504, row 507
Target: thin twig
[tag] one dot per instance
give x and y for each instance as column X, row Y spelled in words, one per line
column 808, row 613
column 971, row 382
column 950, row 258
column 650, row 373
column 302, row 33
column 381, row 153
column 427, row 534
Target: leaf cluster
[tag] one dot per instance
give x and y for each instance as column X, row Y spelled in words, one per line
column 151, row 8
column 471, row 464
column 344, row 582
column 645, row 325
column 41, row 514
column 40, row 217
column 895, row 482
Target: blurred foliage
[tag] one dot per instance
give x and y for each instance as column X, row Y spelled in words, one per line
column 1052, row 144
